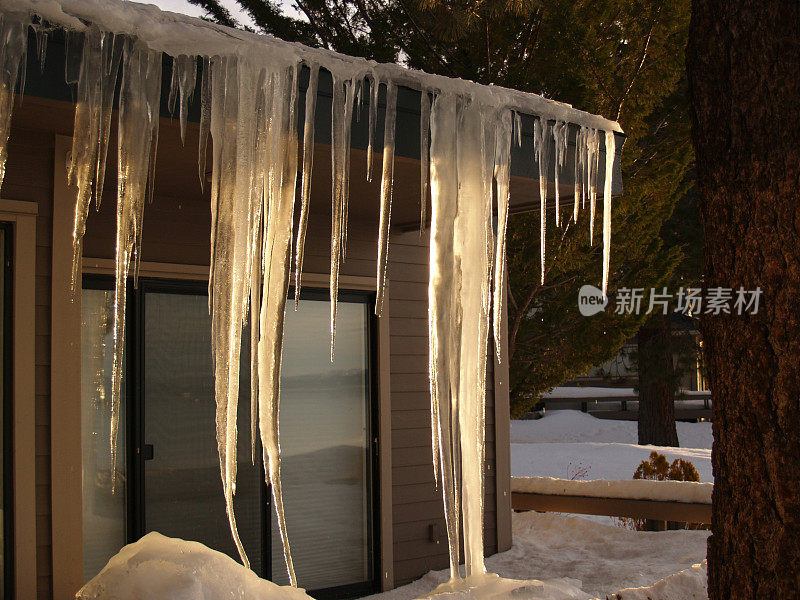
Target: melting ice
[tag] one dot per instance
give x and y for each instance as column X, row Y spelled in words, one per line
column 249, row 94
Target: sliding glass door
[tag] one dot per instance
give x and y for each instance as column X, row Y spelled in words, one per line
column 180, row 466
column 326, row 446
column 173, row 481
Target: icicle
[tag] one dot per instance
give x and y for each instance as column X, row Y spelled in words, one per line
column 41, row 45
column 443, row 319
column 607, row 190
column 255, row 311
column 471, row 250
column 577, row 176
column 205, row 120
column 184, row 77
column 341, row 119
column 14, row 37
column 305, row 190
column 559, row 139
column 112, row 51
column 73, row 55
column 139, row 98
column 459, row 299
column 518, row 128
column 230, row 213
column 173, row 87
column 424, row 156
column 359, row 93
column 502, row 172
column 347, row 148
column 96, row 84
column 277, row 260
column 584, row 149
column 387, row 179
column 259, row 182
column 23, row 73
column 592, row 158
column 541, row 139
column 374, row 84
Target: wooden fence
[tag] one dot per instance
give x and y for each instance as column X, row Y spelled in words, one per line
column 626, row 408
column 656, row 510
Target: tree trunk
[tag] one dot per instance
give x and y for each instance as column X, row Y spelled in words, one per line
column 743, row 63
column 656, row 383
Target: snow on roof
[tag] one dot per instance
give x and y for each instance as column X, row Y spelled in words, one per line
column 177, row 34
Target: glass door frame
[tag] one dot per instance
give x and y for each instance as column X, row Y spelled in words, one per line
column 135, row 526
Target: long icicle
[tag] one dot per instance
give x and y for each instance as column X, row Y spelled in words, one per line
column 424, row 156
column 472, row 260
column 139, row 99
column 341, row 120
column 577, row 176
column 607, row 191
column 86, row 170
column 592, row 158
column 230, row 215
column 258, row 210
column 112, row 50
column 305, row 190
column 205, row 122
column 374, row 84
column 541, row 139
column 443, row 321
column 277, row 266
column 184, row 76
column 558, row 163
column 502, row 174
column 387, row 179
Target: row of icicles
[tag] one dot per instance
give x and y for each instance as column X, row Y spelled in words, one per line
column 250, row 111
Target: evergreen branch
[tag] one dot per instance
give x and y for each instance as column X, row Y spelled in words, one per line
column 218, row 13
column 639, row 66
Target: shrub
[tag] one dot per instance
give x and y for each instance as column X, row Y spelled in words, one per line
column 658, row 468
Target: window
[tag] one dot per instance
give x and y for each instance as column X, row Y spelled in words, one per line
column 6, row 414
column 104, row 531
column 172, row 473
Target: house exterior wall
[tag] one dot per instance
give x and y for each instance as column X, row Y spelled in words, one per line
column 29, row 179
column 176, row 232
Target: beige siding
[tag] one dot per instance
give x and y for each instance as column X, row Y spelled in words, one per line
column 29, row 178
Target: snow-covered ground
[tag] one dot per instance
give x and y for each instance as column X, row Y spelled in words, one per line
column 554, row 556
column 592, row 557
column 569, row 444
column 575, row 557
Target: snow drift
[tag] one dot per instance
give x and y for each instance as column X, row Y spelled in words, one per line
column 161, row 568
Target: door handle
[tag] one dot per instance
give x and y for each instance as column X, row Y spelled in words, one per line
column 147, row 452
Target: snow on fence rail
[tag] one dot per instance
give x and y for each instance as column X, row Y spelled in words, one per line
column 684, row 501
column 630, row 489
